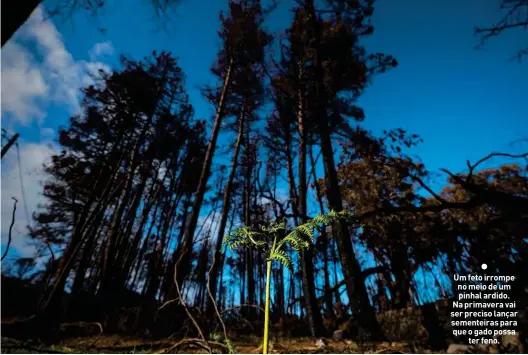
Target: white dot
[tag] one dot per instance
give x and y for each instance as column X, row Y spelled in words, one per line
column 484, row 266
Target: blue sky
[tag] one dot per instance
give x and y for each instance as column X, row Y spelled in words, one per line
column 463, row 102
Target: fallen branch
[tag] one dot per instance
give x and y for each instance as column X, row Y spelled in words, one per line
column 95, row 340
column 228, row 342
column 194, row 341
column 25, row 348
column 10, row 230
column 167, row 303
column 388, row 351
column 180, row 297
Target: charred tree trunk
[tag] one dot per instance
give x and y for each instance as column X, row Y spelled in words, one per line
column 325, row 247
column 188, row 238
column 169, row 287
column 221, row 297
column 356, row 289
column 400, row 269
column 247, row 211
column 50, row 304
column 226, row 204
column 134, row 248
column 313, row 312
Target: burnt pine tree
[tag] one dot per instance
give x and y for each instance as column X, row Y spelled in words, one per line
column 246, row 96
column 110, row 154
column 375, row 174
column 243, row 44
column 340, row 71
column 294, row 85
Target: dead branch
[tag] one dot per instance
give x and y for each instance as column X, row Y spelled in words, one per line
column 95, row 340
column 10, row 230
column 182, row 301
column 508, row 21
column 428, row 189
column 276, row 202
column 388, row 351
column 484, row 194
column 26, row 348
column 489, row 156
column 419, row 181
column 196, row 342
column 52, row 262
column 514, row 18
column 167, row 303
column 211, row 297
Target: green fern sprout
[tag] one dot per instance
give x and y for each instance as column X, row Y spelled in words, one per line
column 299, row 238
column 230, row 346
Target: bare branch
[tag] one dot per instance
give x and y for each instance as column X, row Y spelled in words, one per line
column 489, row 156
column 52, row 262
column 211, row 297
column 194, row 341
column 182, row 301
column 95, row 340
column 516, row 17
column 10, row 229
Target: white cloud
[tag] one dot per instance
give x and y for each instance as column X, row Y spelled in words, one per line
column 37, row 70
column 29, row 85
column 91, row 71
column 101, row 49
column 32, row 157
column 23, row 85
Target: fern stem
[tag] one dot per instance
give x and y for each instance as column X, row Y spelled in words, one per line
column 266, row 309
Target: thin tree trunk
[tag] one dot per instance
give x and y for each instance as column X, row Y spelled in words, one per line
column 134, row 248
column 109, row 287
column 324, row 236
column 169, row 287
column 313, row 312
column 226, row 204
column 356, row 289
column 291, row 179
column 250, row 269
column 221, row 298
column 50, row 304
column 400, row 268
column 188, row 238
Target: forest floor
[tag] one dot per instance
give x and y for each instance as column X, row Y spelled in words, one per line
column 245, row 345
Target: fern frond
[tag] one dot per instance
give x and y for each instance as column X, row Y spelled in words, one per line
column 274, row 228
column 243, row 236
column 295, row 241
column 230, row 347
column 301, row 236
column 281, row 257
column 329, row 218
column 252, row 235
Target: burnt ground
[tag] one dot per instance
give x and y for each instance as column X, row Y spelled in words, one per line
column 244, row 344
